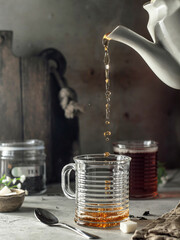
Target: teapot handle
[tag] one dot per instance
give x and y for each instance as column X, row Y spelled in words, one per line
column 65, row 175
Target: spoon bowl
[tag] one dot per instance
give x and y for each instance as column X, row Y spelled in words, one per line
column 45, row 216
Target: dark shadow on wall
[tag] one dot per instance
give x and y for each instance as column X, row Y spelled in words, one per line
column 64, row 130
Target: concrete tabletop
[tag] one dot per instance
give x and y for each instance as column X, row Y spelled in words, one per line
column 22, row 224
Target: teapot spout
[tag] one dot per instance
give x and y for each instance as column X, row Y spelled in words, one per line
column 158, row 58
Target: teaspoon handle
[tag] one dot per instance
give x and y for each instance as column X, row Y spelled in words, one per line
column 80, row 232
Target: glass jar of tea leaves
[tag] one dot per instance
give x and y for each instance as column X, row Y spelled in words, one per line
column 26, row 158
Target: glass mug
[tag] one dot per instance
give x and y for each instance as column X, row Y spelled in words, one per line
column 101, row 189
column 143, row 169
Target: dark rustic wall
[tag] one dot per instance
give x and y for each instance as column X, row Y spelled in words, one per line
column 142, row 106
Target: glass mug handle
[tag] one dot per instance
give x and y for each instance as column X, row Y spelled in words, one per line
column 66, row 171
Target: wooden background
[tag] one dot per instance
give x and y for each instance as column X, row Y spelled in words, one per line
column 29, row 107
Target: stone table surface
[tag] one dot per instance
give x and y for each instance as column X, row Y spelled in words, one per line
column 22, row 224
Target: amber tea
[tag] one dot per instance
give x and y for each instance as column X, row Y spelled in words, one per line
column 107, row 133
column 102, row 216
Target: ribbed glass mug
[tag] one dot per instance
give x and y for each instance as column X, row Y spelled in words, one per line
column 101, row 189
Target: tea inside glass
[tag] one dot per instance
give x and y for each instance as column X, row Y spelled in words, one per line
column 143, row 167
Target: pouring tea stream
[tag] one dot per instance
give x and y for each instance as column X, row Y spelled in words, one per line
column 163, row 53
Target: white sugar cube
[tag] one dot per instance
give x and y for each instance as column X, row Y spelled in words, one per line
column 5, row 190
column 128, row 226
column 11, row 193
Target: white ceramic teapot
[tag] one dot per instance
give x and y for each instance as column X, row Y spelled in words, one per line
column 163, row 54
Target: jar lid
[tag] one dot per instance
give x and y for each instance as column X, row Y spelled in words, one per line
column 135, row 146
column 32, row 144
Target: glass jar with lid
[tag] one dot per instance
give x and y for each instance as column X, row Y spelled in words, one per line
column 143, row 169
column 27, row 158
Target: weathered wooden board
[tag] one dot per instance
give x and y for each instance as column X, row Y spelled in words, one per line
column 36, row 112
column 24, row 97
column 10, row 91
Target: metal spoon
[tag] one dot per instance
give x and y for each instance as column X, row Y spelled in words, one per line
column 48, row 218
